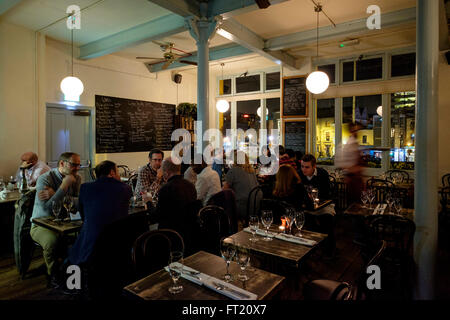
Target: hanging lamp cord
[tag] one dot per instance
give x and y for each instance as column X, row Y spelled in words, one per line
column 318, row 8
column 72, row 50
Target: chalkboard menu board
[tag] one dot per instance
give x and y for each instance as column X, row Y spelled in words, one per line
column 295, row 135
column 295, row 97
column 125, row 125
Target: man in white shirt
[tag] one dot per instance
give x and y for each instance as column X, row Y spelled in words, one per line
column 208, row 182
column 33, row 168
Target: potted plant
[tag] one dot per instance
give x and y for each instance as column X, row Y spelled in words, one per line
column 188, row 113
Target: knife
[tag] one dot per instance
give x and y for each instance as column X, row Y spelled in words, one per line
column 220, row 286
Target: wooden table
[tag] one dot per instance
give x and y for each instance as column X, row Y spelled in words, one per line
column 155, row 286
column 356, row 209
column 63, row 227
column 278, row 251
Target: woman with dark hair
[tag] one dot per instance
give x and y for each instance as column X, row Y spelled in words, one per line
column 288, row 187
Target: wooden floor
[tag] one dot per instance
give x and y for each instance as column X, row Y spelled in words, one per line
column 345, row 266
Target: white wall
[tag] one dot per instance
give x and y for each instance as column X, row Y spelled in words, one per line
column 17, row 96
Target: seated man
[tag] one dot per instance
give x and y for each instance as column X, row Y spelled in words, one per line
column 101, row 202
column 51, row 187
column 34, row 168
column 316, row 177
column 150, row 176
column 208, row 182
column 176, row 203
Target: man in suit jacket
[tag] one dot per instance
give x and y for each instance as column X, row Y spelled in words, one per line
column 101, row 202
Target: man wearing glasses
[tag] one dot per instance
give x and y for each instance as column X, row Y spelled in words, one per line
column 150, row 176
column 51, row 187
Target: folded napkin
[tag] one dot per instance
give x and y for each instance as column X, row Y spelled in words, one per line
column 379, row 209
column 261, row 232
column 75, row 217
column 220, row 286
column 295, row 239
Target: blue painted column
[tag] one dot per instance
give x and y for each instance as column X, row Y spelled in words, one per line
column 202, row 30
column 426, row 166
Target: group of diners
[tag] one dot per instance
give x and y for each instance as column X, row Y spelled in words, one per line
column 180, row 197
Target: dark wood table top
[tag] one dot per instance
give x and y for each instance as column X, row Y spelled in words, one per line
column 289, row 252
column 63, row 227
column 155, row 286
column 357, row 210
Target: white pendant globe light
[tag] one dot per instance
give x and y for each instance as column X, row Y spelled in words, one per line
column 222, row 105
column 259, row 112
column 380, row 111
column 71, row 86
column 317, row 81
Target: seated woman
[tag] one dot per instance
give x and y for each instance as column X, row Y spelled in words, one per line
column 288, row 187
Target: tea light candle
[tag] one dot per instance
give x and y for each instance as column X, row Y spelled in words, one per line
column 283, row 224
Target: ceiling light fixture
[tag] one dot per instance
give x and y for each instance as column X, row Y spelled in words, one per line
column 222, row 105
column 71, row 86
column 317, row 81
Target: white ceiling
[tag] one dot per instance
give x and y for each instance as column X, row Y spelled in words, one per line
column 102, row 18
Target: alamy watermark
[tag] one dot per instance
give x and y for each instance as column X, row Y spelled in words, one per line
column 374, row 20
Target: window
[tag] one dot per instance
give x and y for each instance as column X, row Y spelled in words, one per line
column 248, row 83
column 325, row 143
column 225, row 86
column 403, row 64
column 365, row 69
column 330, row 70
column 363, row 110
column 402, row 138
column 225, row 121
column 272, row 81
column 273, row 114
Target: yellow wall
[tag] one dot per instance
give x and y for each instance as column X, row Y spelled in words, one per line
column 324, row 126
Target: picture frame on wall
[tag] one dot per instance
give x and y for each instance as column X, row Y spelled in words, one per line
column 295, row 134
column 294, row 97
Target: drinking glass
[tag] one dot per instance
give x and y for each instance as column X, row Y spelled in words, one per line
column 243, row 259
column 299, row 222
column 267, row 219
column 175, row 270
column 56, row 208
column 398, row 206
column 68, row 203
column 371, row 197
column 2, row 184
column 253, row 223
column 290, row 216
column 389, row 201
column 364, row 198
column 228, row 250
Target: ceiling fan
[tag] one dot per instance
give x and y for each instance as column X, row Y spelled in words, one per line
column 169, row 56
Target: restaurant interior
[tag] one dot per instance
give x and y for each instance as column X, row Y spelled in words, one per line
column 137, row 70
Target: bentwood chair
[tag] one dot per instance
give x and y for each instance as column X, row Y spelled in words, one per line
column 444, row 218
column 227, row 200
column 132, row 181
column 397, row 176
column 397, row 263
column 253, row 201
column 380, row 187
column 214, row 224
column 151, row 250
column 337, row 290
column 124, row 171
column 446, row 180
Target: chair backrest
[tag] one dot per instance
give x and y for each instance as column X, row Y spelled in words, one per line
column 397, row 231
column 227, row 200
column 110, row 266
column 132, row 181
column 446, row 180
column 380, row 187
column 92, row 174
column 151, row 250
column 214, row 224
column 254, row 196
column 396, row 175
column 123, row 169
column 444, row 199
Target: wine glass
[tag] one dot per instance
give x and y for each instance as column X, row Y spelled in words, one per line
column 364, row 198
column 228, row 250
column 398, row 206
column 175, row 270
column 299, row 222
column 371, row 197
column 390, row 201
column 253, row 223
column 243, row 259
column 290, row 216
column 56, row 208
column 2, row 183
column 267, row 219
column 68, row 203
